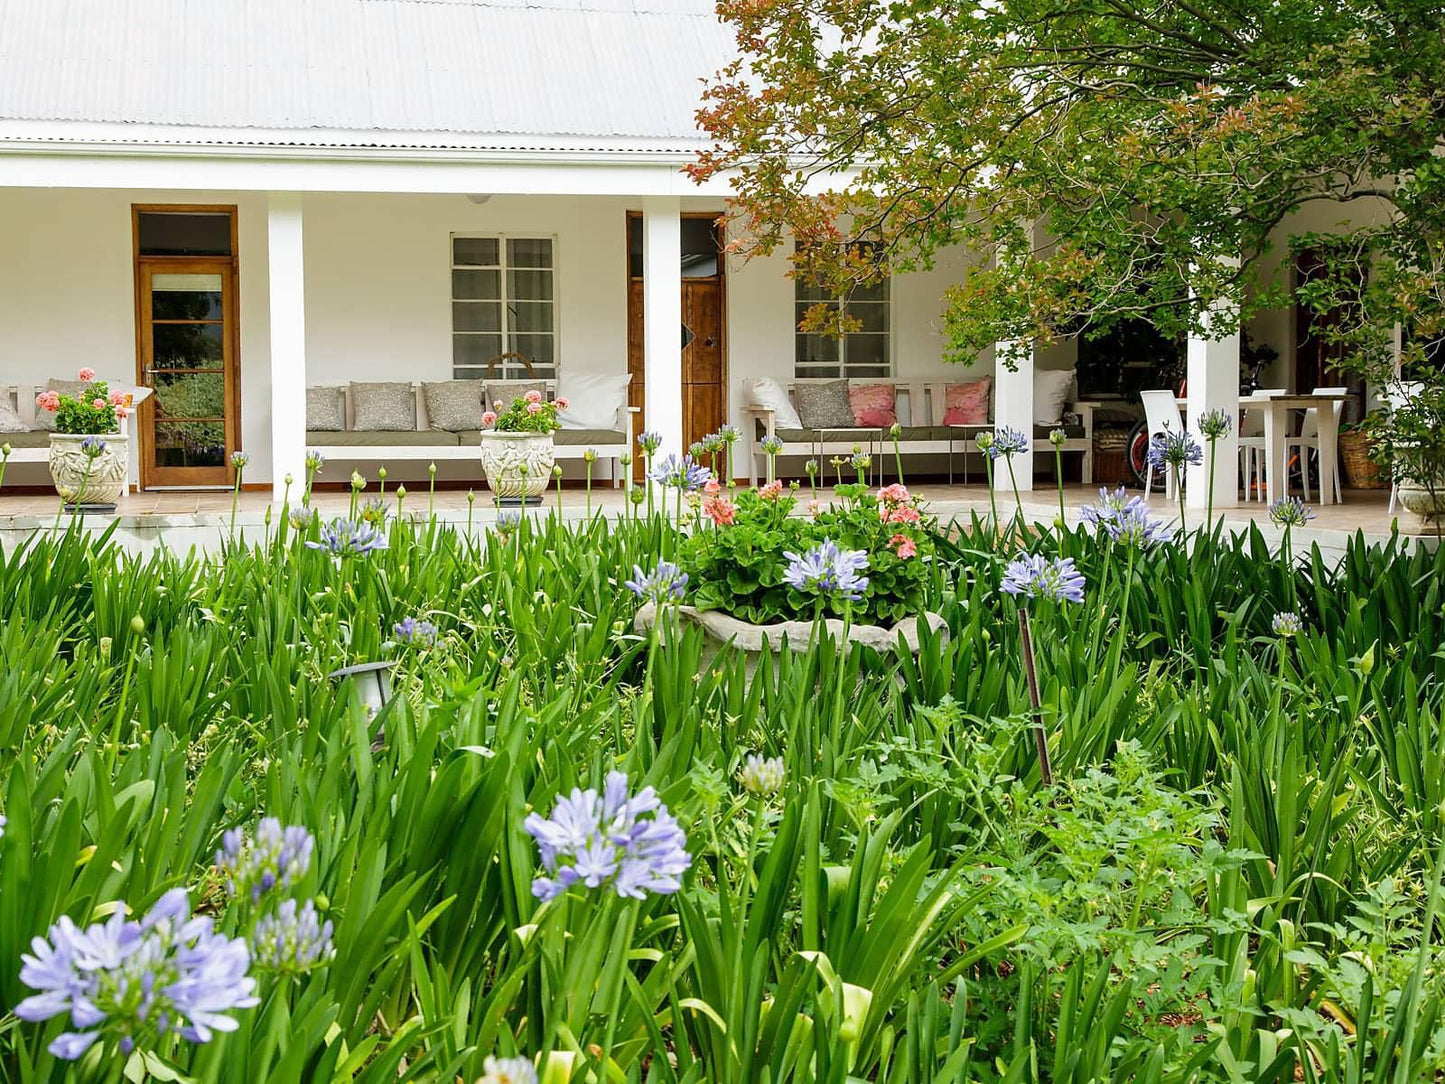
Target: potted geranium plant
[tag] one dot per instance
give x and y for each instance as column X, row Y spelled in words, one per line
column 1411, row 441
column 88, row 452
column 516, row 450
column 758, row 576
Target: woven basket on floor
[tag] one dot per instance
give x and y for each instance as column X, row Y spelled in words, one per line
column 1361, row 472
column 1111, row 467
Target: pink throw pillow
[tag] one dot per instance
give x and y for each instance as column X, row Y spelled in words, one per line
column 966, row 404
column 873, row 405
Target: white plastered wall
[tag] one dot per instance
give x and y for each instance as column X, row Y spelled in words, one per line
column 378, row 292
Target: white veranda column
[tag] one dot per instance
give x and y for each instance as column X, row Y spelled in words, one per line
column 1213, row 384
column 1013, row 407
column 286, row 269
column 662, row 319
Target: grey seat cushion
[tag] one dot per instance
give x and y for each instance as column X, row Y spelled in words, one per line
column 803, row 436
column 454, row 405
column 30, row 438
column 385, row 405
column 825, row 405
column 325, row 409
column 381, row 438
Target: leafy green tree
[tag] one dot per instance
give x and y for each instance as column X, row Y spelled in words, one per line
column 1161, row 149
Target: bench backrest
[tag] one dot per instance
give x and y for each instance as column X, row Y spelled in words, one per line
column 909, row 397
column 418, row 402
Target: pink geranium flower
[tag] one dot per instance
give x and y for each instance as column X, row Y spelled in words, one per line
column 97, row 402
column 534, row 408
column 48, row 400
column 117, row 398
column 87, row 374
column 533, row 396
column 772, row 491
column 489, row 419
column 713, row 487
column 902, row 514
column 122, row 412
column 722, row 510
column 897, row 493
column 814, row 508
column 906, row 546
column 562, row 402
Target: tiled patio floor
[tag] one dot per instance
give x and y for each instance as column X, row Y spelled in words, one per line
column 184, row 519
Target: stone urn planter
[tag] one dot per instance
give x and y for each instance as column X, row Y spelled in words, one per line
column 97, row 482
column 1430, row 507
column 518, row 466
column 721, row 630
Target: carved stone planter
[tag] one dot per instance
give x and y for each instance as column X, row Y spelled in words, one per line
column 517, row 465
column 1430, row 507
column 91, row 481
column 721, row 630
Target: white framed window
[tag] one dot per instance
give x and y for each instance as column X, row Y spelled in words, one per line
column 862, row 353
column 504, row 301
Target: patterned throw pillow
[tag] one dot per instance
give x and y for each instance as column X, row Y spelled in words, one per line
column 325, row 410
column 454, row 405
column 10, row 421
column 825, row 405
column 966, row 404
column 873, row 405
column 384, row 407
column 507, row 390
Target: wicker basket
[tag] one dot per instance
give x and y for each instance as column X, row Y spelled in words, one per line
column 1361, row 472
column 1111, row 457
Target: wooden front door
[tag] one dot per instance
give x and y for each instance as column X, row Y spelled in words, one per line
column 1317, row 355
column 186, row 345
column 704, row 356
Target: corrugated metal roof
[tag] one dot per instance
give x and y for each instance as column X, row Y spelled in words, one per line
column 610, row 70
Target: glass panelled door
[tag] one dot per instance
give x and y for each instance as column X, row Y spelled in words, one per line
column 187, row 353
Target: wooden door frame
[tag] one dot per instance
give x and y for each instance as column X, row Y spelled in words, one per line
column 229, row 267
column 722, row 281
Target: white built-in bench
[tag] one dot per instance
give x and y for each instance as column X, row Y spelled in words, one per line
column 920, row 406
column 428, row 444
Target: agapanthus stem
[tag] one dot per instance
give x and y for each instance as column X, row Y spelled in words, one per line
column 1209, row 501
column 1013, row 480
column 992, row 498
column 1041, row 738
column 1059, row 480
column 1179, row 492
column 897, row 459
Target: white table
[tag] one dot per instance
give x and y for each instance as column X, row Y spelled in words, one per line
column 1276, row 410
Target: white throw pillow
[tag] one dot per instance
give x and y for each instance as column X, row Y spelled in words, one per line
column 768, row 394
column 593, row 399
column 1053, row 388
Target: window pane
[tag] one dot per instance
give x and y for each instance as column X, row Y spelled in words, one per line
column 187, row 346
column 475, row 251
column 876, row 291
column 817, row 371
column 180, row 233
column 867, row 370
column 535, row 348
column 871, row 350
column 475, row 349
column 190, row 444
column 476, row 316
column 191, row 395
column 485, row 285
column 529, row 252
column 871, row 316
column 185, row 305
column 530, row 316
column 529, row 285
column 807, row 291
column 816, row 350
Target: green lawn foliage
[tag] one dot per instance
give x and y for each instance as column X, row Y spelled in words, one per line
column 1236, row 877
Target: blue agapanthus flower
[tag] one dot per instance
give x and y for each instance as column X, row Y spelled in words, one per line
column 411, row 630
column 685, row 473
column 1007, row 442
column 343, row 538
column 239, row 460
column 1132, row 525
column 630, row 844
column 293, row 940
column 1215, row 423
column 1287, row 623
column 1111, row 503
column 1174, row 448
column 92, row 447
column 828, row 571
column 275, row 857
column 729, row 433
column 665, row 583
column 135, row 982
column 649, row 440
column 1035, row 576
column 1290, row 512
column 772, row 445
